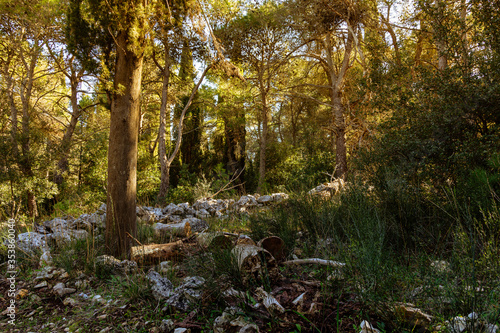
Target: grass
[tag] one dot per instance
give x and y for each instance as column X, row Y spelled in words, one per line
column 388, row 240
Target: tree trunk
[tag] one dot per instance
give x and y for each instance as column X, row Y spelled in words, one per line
column 339, row 129
column 25, row 160
column 336, row 80
column 122, row 153
column 64, row 148
column 162, row 130
column 234, row 132
column 263, row 138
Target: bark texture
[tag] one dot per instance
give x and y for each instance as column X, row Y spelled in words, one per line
column 122, row 154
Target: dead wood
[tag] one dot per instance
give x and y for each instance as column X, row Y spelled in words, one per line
column 152, row 252
column 317, row 261
column 275, row 245
column 255, row 263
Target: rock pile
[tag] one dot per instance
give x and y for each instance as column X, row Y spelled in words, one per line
column 203, row 208
column 60, row 231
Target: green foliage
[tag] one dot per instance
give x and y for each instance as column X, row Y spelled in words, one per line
column 79, row 254
column 133, row 287
column 300, row 171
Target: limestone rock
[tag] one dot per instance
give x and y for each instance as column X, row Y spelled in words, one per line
column 233, row 320
column 161, row 287
column 117, row 266
column 29, row 241
column 167, row 326
column 61, row 290
column 187, row 293
column 366, row 327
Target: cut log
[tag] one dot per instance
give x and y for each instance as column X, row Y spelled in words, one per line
column 275, row 245
column 152, row 252
column 255, row 263
column 244, row 240
column 214, row 241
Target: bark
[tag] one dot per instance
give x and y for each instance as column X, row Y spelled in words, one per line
column 441, row 44
column 122, row 153
column 255, row 263
column 336, row 80
column 157, row 252
column 178, row 143
column 24, row 160
column 234, row 132
column 65, row 146
column 263, row 134
column 162, row 136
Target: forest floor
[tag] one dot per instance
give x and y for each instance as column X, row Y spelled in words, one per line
column 127, row 305
column 313, row 297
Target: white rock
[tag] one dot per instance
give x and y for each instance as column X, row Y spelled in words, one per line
column 45, row 259
column 41, row 285
column 161, row 287
column 441, row 266
column 164, row 267
column 61, row 290
column 278, row 197
column 458, row 324
column 366, row 327
column 29, row 241
column 69, row 301
column 491, row 328
column 265, row 199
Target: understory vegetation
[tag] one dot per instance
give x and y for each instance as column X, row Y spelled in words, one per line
column 146, row 103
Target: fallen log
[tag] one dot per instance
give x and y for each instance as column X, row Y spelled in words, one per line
column 214, row 241
column 255, row 263
column 275, row 245
column 317, row 261
column 159, row 252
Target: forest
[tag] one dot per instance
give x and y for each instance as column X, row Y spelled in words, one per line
column 392, row 105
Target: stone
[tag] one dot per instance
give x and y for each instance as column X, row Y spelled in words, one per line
column 491, row 328
column 202, row 213
column 98, row 299
column 232, row 321
column 61, row 290
column 366, row 327
column 56, row 224
column 167, row 326
column 45, row 258
column 173, row 209
column 412, row 315
column 35, row 299
column 197, row 225
column 116, row 266
column 189, row 292
column 161, row 288
column 68, row 301
column 164, row 267
column 29, row 241
column 441, row 266
column 265, row 199
column 279, row 197
column 457, row 324
column 182, row 330
column 41, row 285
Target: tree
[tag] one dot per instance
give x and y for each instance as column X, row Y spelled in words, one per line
column 259, row 39
column 128, row 24
column 333, row 28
